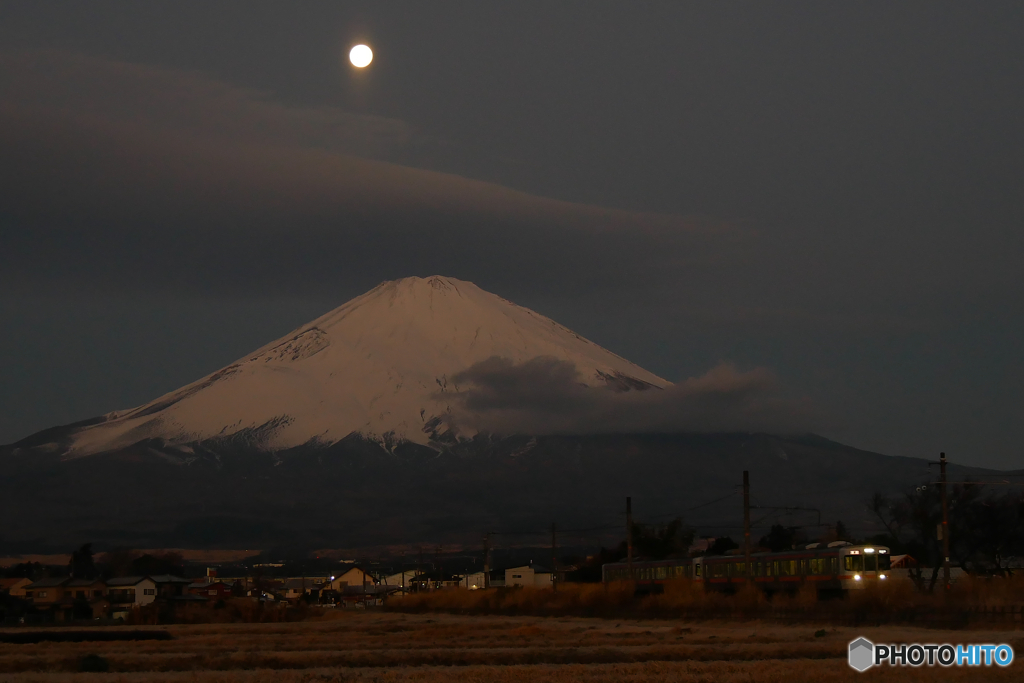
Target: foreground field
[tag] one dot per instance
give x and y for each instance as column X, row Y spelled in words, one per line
column 362, row 645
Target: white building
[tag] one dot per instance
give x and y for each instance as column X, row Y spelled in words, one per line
column 473, row 581
column 131, row 590
column 532, row 575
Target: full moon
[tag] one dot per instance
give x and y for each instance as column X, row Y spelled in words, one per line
column 360, row 56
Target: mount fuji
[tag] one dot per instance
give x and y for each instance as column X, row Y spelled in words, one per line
column 380, row 366
column 353, row 431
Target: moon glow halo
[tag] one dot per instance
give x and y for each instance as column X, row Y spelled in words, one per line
column 360, row 56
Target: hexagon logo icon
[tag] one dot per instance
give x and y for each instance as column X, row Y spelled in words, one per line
column 862, row 654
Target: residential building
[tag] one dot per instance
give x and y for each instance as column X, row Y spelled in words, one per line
column 293, row 589
column 128, row 592
column 88, row 598
column 86, row 589
column 531, row 575
column 170, row 586
column 46, row 592
column 473, row 581
column 216, row 590
column 69, row 598
column 353, row 576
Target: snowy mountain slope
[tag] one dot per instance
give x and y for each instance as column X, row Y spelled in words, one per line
column 379, row 365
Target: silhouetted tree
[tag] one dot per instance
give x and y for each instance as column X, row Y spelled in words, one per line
column 912, row 519
column 589, row 570
column 117, row 562
column 779, row 538
column 657, row 542
column 158, row 563
column 722, row 545
column 24, row 570
column 132, row 563
column 81, row 565
column 985, row 529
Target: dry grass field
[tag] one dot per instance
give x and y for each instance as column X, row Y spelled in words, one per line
column 386, row 646
column 970, row 603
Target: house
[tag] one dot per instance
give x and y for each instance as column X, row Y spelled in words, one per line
column 69, row 598
column 128, row 592
column 216, row 590
column 353, row 576
column 902, row 567
column 170, row 586
column 293, row 589
column 14, row 587
column 46, row 592
column 902, row 562
column 88, row 598
column 531, row 575
column 474, row 581
column 85, row 589
column 363, row 596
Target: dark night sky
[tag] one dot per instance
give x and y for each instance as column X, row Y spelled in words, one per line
column 832, row 191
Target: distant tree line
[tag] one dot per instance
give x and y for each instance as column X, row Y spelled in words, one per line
column 986, row 528
column 84, row 564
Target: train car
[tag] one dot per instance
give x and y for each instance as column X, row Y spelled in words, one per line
column 833, row 567
column 649, row 575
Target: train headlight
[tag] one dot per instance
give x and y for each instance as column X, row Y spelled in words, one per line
column 856, row 577
column 881, row 576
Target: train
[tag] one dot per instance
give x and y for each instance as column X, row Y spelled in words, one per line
column 833, row 567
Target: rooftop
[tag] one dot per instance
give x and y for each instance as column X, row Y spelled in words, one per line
column 126, row 581
column 51, row 582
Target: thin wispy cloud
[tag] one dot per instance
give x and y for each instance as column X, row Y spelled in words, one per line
column 115, row 174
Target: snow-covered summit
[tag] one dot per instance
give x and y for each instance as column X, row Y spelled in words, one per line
column 379, row 365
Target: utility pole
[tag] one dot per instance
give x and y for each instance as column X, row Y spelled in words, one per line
column 746, row 522
column 554, row 558
column 487, row 560
column 440, row 567
column 945, row 521
column 629, row 535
